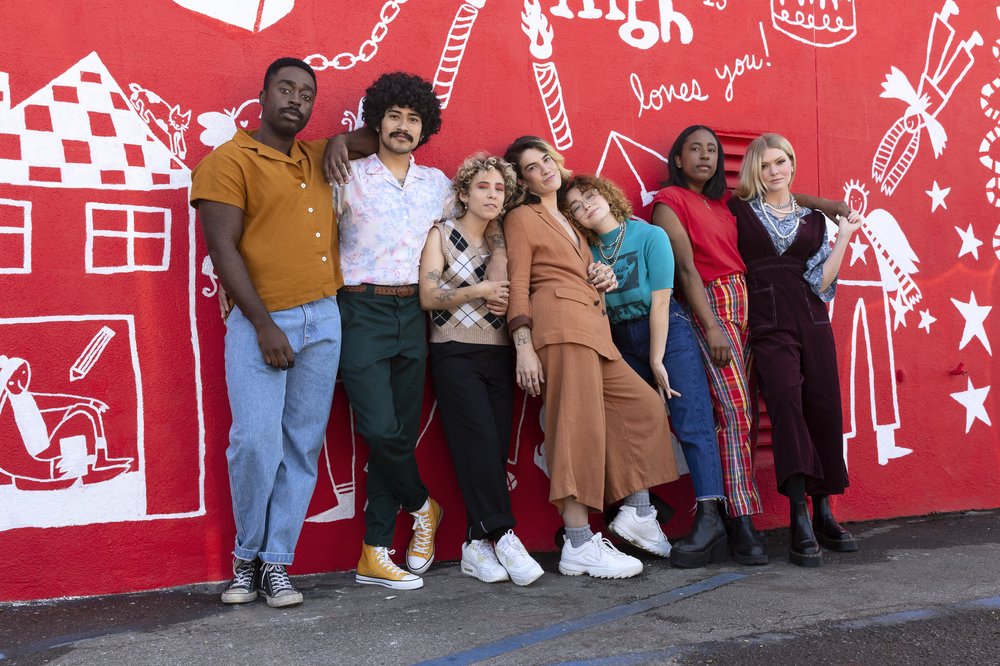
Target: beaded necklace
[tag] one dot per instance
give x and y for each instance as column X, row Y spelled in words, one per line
column 773, row 223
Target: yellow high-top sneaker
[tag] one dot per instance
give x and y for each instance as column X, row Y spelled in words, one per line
column 420, row 553
column 377, row 568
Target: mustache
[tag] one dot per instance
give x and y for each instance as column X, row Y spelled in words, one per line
column 402, row 133
column 292, row 109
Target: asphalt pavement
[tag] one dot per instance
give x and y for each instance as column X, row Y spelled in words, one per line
column 921, row 590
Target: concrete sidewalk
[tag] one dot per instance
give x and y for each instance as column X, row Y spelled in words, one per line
column 921, row 590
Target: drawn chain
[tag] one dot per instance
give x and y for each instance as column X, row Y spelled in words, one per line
column 369, row 47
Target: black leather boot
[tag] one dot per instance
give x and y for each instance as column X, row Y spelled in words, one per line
column 828, row 531
column 803, row 550
column 745, row 541
column 707, row 541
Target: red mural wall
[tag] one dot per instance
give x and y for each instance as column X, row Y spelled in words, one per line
column 113, row 415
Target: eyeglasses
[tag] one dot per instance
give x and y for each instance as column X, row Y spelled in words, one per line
column 587, row 199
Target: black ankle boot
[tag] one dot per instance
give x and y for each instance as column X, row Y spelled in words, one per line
column 828, row 531
column 803, row 550
column 745, row 541
column 707, row 541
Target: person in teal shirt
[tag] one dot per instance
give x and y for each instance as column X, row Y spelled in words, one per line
column 653, row 332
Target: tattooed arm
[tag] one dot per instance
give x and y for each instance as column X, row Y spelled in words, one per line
column 497, row 268
column 433, row 297
column 528, row 371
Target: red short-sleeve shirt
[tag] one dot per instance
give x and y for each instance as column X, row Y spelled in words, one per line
column 711, row 228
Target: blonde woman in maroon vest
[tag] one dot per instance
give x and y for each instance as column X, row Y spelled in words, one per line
column 472, row 366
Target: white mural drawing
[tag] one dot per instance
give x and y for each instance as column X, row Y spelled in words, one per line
column 167, row 118
column 619, row 143
column 974, row 401
column 637, row 33
column 208, row 270
column 926, row 319
column 454, row 49
column 50, row 460
column 91, row 354
column 220, row 127
column 252, row 15
column 975, row 318
column 970, row 244
column 15, row 234
column 353, row 120
column 821, row 23
column 895, row 262
column 990, row 140
column 539, row 33
column 946, row 64
column 80, row 161
column 368, row 48
column 938, row 195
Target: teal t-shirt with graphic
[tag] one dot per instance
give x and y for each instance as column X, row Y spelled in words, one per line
column 644, row 265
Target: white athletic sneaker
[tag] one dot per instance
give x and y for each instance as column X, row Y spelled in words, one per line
column 642, row 532
column 598, row 558
column 479, row 561
column 513, row 556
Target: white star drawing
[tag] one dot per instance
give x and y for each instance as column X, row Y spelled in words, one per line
column 974, row 401
column 970, row 244
column 975, row 315
column 937, row 196
column 899, row 311
column 858, row 250
column 926, row 320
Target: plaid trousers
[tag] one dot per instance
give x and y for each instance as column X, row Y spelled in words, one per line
column 732, row 398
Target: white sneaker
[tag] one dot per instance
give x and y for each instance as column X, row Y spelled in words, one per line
column 598, row 558
column 642, row 532
column 513, row 556
column 479, row 561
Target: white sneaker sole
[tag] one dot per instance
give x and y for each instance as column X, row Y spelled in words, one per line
column 638, row 544
column 239, row 597
column 470, row 570
column 284, row 600
column 392, row 584
column 421, row 568
column 578, row 570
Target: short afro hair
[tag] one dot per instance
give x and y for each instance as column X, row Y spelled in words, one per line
column 405, row 90
column 281, row 63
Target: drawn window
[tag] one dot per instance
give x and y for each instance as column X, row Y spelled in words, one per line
column 124, row 239
column 15, row 236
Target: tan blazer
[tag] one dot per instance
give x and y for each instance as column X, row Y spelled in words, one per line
column 549, row 289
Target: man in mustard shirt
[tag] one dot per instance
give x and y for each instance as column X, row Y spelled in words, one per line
column 267, row 215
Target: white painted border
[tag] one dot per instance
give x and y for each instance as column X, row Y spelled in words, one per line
column 25, row 231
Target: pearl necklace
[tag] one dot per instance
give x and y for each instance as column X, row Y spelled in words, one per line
column 615, row 247
column 774, row 223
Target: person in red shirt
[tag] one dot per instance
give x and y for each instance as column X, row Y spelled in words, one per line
column 693, row 210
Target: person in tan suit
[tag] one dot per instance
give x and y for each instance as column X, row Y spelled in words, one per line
column 557, row 318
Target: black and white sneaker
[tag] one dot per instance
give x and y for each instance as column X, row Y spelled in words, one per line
column 243, row 587
column 277, row 588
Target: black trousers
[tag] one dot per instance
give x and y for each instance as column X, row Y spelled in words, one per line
column 474, row 385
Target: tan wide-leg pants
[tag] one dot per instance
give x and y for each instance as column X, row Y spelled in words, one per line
column 606, row 430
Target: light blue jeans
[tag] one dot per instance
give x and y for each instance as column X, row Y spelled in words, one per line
column 279, row 421
column 691, row 412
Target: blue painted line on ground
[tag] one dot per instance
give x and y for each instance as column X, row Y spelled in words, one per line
column 560, row 629
column 989, row 602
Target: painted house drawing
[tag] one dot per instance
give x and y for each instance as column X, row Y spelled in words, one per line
column 101, row 401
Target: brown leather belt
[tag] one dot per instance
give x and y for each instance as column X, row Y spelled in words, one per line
column 398, row 290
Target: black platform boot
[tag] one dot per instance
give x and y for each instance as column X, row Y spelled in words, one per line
column 803, row 550
column 745, row 541
column 828, row 531
column 707, row 541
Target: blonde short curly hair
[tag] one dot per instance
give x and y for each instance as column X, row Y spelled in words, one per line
column 462, row 182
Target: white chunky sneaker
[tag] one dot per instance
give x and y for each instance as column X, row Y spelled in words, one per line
column 480, row 561
column 597, row 558
column 513, row 556
column 642, row 532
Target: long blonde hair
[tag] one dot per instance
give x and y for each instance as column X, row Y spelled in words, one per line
column 751, row 184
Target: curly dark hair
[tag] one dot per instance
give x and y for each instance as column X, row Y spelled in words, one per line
column 406, row 90
column 618, row 203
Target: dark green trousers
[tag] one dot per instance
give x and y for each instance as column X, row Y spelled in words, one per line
column 382, row 363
